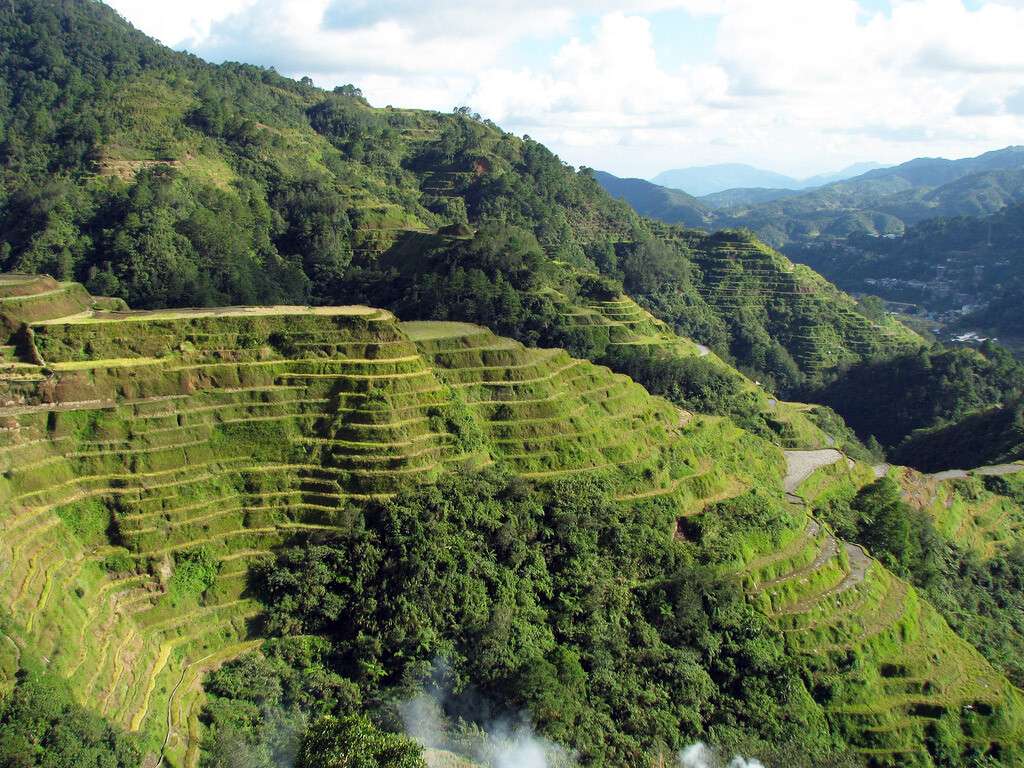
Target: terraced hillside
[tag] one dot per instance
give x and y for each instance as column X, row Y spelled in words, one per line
column 892, row 674
column 818, row 325
column 194, row 184
column 616, row 324
column 144, row 448
column 965, row 507
column 150, row 458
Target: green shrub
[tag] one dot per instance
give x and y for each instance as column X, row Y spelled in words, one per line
column 89, row 520
column 194, row 572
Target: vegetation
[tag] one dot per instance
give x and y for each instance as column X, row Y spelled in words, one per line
column 492, row 582
column 42, row 725
column 164, row 181
column 180, row 485
column 279, row 470
column 696, row 383
column 941, row 265
column 979, row 594
column 928, row 389
column 993, row 436
column 354, row 742
column 900, row 536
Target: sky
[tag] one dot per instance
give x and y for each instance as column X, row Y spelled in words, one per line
column 636, row 87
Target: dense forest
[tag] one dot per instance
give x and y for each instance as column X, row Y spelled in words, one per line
column 556, row 603
column 991, row 436
column 907, row 403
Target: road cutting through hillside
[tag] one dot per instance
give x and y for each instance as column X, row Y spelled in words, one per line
column 800, row 465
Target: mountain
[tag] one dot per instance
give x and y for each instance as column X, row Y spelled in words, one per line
column 209, row 510
column 890, row 399
column 887, row 200
column 669, row 205
column 475, row 463
column 165, row 181
column 706, row 179
column 996, row 436
column 745, row 182
column 746, row 196
column 883, row 201
column 939, row 266
column 850, row 171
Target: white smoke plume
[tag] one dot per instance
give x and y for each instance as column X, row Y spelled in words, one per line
column 701, row 756
column 497, row 742
column 464, row 724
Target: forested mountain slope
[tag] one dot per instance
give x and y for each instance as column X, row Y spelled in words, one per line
column 891, row 398
column 884, row 201
column 672, row 206
column 941, row 266
column 157, row 178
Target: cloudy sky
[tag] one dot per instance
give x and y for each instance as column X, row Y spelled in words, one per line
column 639, row 86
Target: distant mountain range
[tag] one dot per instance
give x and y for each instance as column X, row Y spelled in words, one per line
column 709, row 179
column 883, row 201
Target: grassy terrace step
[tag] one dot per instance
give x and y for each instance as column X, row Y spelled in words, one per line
column 963, row 510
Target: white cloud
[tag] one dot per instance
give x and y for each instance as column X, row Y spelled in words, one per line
column 976, row 103
column 797, row 85
column 178, row 22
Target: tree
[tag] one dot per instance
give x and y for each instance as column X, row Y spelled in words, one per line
column 354, row 742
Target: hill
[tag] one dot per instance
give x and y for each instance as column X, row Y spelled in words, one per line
column 890, row 399
column 744, row 196
column 177, row 480
column 669, row 205
column 993, row 436
column 707, row 179
column 715, row 184
column 250, row 534
column 822, row 212
column 165, row 181
column 962, row 274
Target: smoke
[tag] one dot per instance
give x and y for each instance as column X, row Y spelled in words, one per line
column 519, row 748
column 465, row 724
column 448, row 725
column 701, row 756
